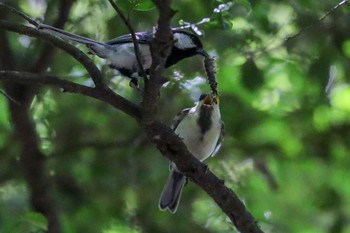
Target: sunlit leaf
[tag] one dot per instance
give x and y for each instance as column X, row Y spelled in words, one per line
column 340, row 98
column 36, row 220
column 346, row 48
column 144, row 5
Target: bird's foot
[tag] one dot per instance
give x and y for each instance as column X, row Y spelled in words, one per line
column 134, row 84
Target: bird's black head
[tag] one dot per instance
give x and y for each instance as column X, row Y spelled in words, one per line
column 186, row 45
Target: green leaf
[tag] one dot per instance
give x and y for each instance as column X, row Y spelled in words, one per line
column 36, row 220
column 346, row 48
column 125, row 6
column 144, row 5
column 340, row 98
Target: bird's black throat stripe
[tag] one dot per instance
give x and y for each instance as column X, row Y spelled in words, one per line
column 204, row 120
column 177, row 55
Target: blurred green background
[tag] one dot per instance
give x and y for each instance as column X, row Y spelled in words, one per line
column 287, row 139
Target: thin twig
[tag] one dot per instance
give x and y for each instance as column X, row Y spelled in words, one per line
column 17, row 12
column 317, row 22
column 193, row 26
column 261, row 51
column 133, row 36
column 9, row 97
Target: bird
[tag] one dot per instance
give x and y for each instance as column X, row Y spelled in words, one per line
column 120, row 53
column 202, row 131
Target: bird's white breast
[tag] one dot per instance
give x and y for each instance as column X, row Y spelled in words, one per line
column 201, row 146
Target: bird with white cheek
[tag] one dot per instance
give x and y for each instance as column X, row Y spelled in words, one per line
column 202, row 130
column 120, row 53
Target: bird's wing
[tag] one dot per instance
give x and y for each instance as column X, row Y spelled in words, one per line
column 220, row 139
column 179, row 117
column 142, row 38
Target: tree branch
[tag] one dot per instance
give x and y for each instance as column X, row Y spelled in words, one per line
column 172, row 147
column 81, row 57
column 103, row 94
column 160, row 50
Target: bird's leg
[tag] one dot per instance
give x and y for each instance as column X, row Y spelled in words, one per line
column 134, row 78
column 131, row 74
column 134, row 83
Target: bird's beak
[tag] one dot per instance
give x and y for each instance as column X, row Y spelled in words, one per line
column 217, row 100
column 202, row 52
column 208, row 100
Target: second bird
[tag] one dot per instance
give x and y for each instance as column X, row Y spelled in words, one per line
column 120, row 53
column 202, row 131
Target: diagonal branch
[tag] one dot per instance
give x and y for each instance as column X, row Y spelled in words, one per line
column 10, row 98
column 325, row 15
column 172, row 147
column 288, row 38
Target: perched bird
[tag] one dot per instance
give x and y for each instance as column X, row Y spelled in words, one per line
column 120, row 54
column 202, row 131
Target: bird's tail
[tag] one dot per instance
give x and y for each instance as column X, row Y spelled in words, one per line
column 169, row 200
column 67, row 35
